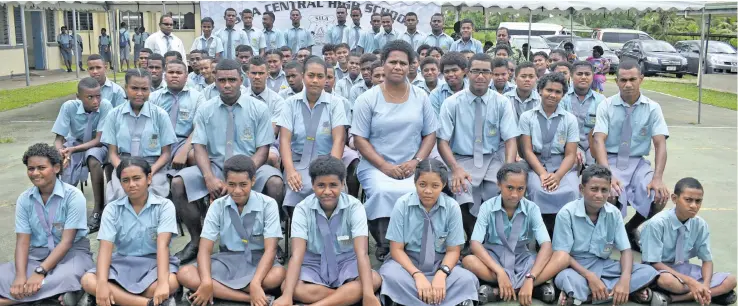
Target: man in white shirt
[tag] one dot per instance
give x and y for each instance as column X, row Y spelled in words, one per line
column 164, row 41
column 254, row 37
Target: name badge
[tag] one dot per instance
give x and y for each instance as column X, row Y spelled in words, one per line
column 441, row 242
column 562, row 139
column 326, row 127
column 154, row 141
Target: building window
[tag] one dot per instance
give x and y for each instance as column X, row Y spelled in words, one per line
column 4, row 25
column 18, row 25
column 184, row 21
column 132, row 20
column 84, row 21
column 50, row 26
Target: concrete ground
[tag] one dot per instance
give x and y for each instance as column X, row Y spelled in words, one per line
column 707, row 152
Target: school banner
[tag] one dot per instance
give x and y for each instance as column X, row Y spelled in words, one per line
column 319, row 16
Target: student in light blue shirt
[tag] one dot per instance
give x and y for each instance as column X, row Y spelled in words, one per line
column 293, row 71
column 104, row 42
column 370, row 44
column 230, row 36
column 134, row 265
column 352, row 77
column 429, row 70
column 454, row 68
column 354, row 35
column 65, row 41
column 583, row 102
column 51, row 250
column 412, row 36
column 78, row 129
column 588, row 229
column 155, row 66
column 621, row 141
column 110, row 91
column 195, row 80
column 437, row 38
column 671, row 238
column 525, row 96
column 363, row 82
column 335, row 33
column 254, row 37
column 247, row 225
column 387, row 34
column 566, row 69
column 258, row 74
column 500, row 76
column 426, row 234
column 277, row 79
column 208, row 42
column 273, row 39
column 467, row 42
column 329, row 260
column 296, row 37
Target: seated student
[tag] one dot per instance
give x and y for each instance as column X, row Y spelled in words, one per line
column 340, row 65
column 231, row 124
column 352, row 77
column 500, row 76
column 377, row 75
column 293, row 72
column 413, row 73
column 454, row 67
column 588, row 229
column 78, row 129
column 476, row 123
column 244, row 53
column 258, row 74
column 500, row 254
column 329, row 263
column 155, row 66
column 207, row 70
column 425, row 234
column 194, row 78
column 277, row 79
column 51, row 249
column 583, row 102
column 140, row 227
column 549, row 137
column 671, row 238
column 511, row 65
column 247, row 223
column 366, row 75
column 286, row 53
column 181, row 103
column 138, row 128
column 540, row 61
column 312, row 123
column 109, row 90
column 566, row 69
column 525, row 96
column 430, row 72
column 350, row 156
column 626, row 124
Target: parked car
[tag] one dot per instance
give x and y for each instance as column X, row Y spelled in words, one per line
column 654, row 56
column 583, row 49
column 721, row 57
column 554, row 40
column 615, row 38
column 537, row 43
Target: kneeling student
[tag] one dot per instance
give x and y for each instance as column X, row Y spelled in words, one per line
column 140, row 227
column 247, row 223
column 499, row 243
column 673, row 237
column 330, row 262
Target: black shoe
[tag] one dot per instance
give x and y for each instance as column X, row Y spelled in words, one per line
column 93, row 222
column 381, row 253
column 634, row 238
column 189, row 253
column 69, row 70
column 82, row 69
column 725, row 299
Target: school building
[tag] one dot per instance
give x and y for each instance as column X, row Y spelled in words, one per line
column 43, row 22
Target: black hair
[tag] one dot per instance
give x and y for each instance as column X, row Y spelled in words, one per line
column 341, row 45
column 230, row 9
column 398, row 45
column 197, row 51
column 367, row 58
column 469, row 21
column 505, row 47
column 386, row 14
column 597, row 171
column 524, row 65
column 294, row 65
column 328, row 48
column 434, row 48
column 467, row 52
column 559, row 64
column 207, row 19
column 244, row 48
column 156, row 57
column 539, row 53
column 499, row 62
column 161, row 19
column 508, row 168
column 314, row 59
column 568, row 43
column 147, row 50
column 354, row 54
column 377, row 52
column 505, row 29
column 95, row 57
column 123, row 24
column 43, row 150
column 454, row 58
column 295, row 10
column 173, row 53
column 375, row 65
column 103, row 30
column 341, row 6
column 257, row 60
column 356, row 8
column 559, row 52
column 428, row 61
column 437, row 167
column 285, row 48
column 687, row 182
column 275, row 52
column 138, row 73
column 229, row 64
column 270, row 14
column 553, row 77
column 481, row 57
column 598, row 49
column 578, row 64
column 239, row 163
column 133, row 161
column 87, row 83
column 629, row 64
column 176, row 62
column 246, row 11
column 411, row 14
column 423, row 47
column 325, row 165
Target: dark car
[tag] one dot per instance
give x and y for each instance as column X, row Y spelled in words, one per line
column 721, row 57
column 654, row 56
column 583, row 49
column 554, row 40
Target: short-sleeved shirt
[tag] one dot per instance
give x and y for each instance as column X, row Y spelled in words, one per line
column 343, row 85
column 659, row 238
column 353, row 223
column 72, row 119
column 287, row 92
column 370, row 44
column 140, row 38
column 647, row 120
column 157, row 131
column 415, row 40
column 252, row 127
column 124, row 33
column 70, row 214
column 135, row 234
column 277, row 83
column 189, row 101
column 576, row 234
column 529, row 103
column 213, row 45
column 567, row 131
column 586, row 113
column 441, row 93
column 383, row 37
column 274, row 102
column 237, row 38
column 266, row 222
column 471, row 45
column 65, row 40
column 424, row 86
column 298, row 38
column 406, row 223
column 355, row 37
column 255, row 39
column 157, row 42
column 357, row 90
column 104, row 40
column 113, row 92
column 335, row 33
column 442, row 41
column 394, row 135
column 273, row 39
column 457, row 122
column 485, row 230
column 332, row 116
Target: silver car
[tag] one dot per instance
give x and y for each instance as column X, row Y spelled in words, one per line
column 721, row 57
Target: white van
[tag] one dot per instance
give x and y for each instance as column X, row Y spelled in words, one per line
column 537, row 29
column 616, row 38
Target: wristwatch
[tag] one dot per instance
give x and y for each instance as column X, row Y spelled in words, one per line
column 531, row 276
column 40, row 270
column 445, row 269
column 417, row 159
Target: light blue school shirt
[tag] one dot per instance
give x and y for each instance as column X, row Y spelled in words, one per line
column 273, row 101
column 647, row 121
column 472, row 45
column 485, row 230
column 194, row 80
column 335, row 33
column 357, row 90
column 65, row 40
column 135, row 234
column 72, row 119
column 332, row 116
column 415, row 40
column 575, row 233
column 441, row 93
column 509, row 86
column 370, row 44
column 288, row 92
column 238, row 37
column 659, row 238
column 157, row 133
column 266, row 222
column 586, row 120
column 353, row 223
column 297, row 38
column 252, row 127
column 424, row 86
column 355, row 37
column 338, row 73
column 277, row 83
column 567, row 131
column 347, row 106
column 71, row 214
column 255, row 40
column 442, row 41
column 457, row 122
column 104, row 40
column 213, row 45
column 343, row 85
column 533, row 101
column 273, row 39
column 113, row 92
column 406, row 223
column 383, row 37
column 189, row 101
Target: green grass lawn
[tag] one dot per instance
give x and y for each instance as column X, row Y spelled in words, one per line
column 21, row 97
column 690, row 91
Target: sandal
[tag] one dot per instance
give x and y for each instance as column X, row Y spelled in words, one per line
column 488, row 294
column 566, row 299
column 545, row 293
column 725, row 299
column 655, row 298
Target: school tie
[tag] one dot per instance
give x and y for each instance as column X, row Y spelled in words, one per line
column 88, row 129
column 269, row 40
column 312, row 122
column 169, row 44
column 295, row 39
column 248, row 35
column 626, row 132
column 356, row 37
column 229, row 52
column 427, row 249
column 548, row 132
column 48, row 224
column 244, row 227
column 329, row 265
column 412, row 40
column 438, row 40
column 174, row 110
column 478, row 133
column 229, row 133
column 679, row 256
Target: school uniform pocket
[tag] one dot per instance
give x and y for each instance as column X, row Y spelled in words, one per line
column 590, row 120
column 151, row 233
column 440, row 242
column 492, row 133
